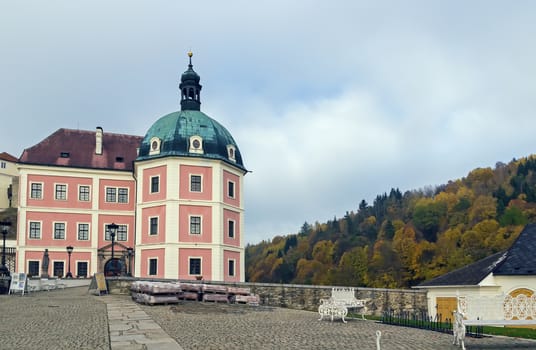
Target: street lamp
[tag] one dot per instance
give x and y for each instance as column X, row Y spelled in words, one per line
column 130, row 253
column 4, row 271
column 113, row 230
column 69, row 252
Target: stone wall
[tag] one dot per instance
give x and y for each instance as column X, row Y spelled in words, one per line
column 305, row 297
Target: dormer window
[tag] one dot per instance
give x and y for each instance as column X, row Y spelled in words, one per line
column 196, row 145
column 231, row 153
column 64, row 154
column 119, row 159
column 155, row 146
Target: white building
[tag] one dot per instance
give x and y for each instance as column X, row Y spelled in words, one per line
column 511, row 272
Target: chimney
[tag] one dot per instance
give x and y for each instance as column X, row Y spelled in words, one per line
column 98, row 140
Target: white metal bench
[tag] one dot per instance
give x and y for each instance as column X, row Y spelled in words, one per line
column 342, row 299
column 332, row 309
column 346, row 295
column 496, row 310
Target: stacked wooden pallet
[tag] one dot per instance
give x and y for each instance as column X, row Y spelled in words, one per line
column 152, row 293
column 191, row 291
column 242, row 296
column 215, row 293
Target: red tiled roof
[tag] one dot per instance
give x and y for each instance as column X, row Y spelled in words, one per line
column 76, row 148
column 8, row 157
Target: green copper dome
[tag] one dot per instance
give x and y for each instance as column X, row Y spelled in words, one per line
column 175, row 135
column 190, row 132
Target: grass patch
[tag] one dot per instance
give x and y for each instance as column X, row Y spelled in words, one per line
column 520, row 332
column 527, row 333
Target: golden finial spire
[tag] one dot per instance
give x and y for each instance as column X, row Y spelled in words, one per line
column 190, row 54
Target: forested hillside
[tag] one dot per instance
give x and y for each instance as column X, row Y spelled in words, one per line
column 402, row 239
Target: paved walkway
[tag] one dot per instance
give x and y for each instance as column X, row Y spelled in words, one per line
column 132, row 329
column 73, row 319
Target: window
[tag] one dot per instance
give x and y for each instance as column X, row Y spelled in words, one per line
column 195, row 225
column 83, row 232
column 231, row 228
column 196, row 144
column 230, row 189
column 36, row 190
column 61, row 192
column 195, row 183
column 58, row 269
column 3, row 165
column 83, row 193
column 111, row 194
column 153, row 230
column 81, row 269
column 155, row 184
column 231, row 152
column 114, row 194
column 120, row 235
column 122, row 195
column 59, row 230
column 35, row 230
column 195, row 266
column 155, row 146
column 231, row 267
column 153, row 266
column 33, row 269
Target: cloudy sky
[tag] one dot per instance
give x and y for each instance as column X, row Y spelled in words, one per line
column 330, row 102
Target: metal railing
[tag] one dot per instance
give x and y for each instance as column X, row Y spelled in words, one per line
column 422, row 320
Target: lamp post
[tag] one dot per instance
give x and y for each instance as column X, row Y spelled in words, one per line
column 113, row 230
column 130, row 253
column 69, row 252
column 4, row 271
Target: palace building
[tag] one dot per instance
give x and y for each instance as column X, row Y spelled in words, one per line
column 165, row 205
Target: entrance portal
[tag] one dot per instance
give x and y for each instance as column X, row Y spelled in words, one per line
column 115, row 267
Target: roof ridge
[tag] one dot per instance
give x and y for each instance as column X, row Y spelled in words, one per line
column 93, row 131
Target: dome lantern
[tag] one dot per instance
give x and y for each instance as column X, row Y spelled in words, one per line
column 190, row 89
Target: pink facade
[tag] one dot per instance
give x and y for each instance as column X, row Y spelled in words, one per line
column 231, row 261
column 125, row 220
column 231, row 226
column 186, row 213
column 152, row 254
column 159, row 213
column 186, row 254
column 231, row 180
column 115, row 203
column 58, row 256
column 47, row 222
column 186, row 171
column 159, row 172
column 48, row 192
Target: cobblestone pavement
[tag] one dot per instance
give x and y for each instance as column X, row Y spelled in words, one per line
column 60, row 319
column 221, row 326
column 73, row 319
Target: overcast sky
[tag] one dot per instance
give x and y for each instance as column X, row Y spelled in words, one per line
column 330, row 102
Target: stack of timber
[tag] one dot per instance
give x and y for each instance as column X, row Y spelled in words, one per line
column 152, row 293
column 242, row 296
column 215, row 293
column 191, row 291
